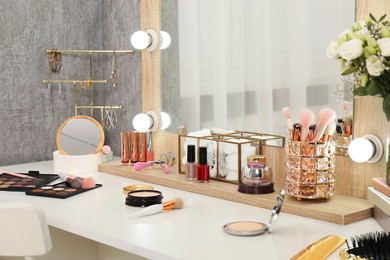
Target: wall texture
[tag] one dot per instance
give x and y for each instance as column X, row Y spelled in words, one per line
column 31, row 112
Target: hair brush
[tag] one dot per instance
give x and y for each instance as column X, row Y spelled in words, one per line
column 373, row 245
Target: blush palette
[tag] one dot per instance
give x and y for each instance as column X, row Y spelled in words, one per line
column 60, row 191
column 24, row 182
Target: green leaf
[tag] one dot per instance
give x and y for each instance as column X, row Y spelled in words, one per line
column 386, row 107
column 373, row 89
column 360, row 91
column 372, row 17
column 349, row 71
column 381, row 19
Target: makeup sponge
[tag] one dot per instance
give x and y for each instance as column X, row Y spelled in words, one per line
column 88, row 183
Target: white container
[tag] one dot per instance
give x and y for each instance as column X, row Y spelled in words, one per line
column 76, row 164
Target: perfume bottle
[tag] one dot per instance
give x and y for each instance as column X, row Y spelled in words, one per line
column 190, row 169
column 203, row 167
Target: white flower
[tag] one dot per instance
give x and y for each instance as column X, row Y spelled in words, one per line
column 364, row 31
column 343, row 65
column 374, row 65
column 331, row 51
column 384, row 46
column 345, row 32
column 351, row 49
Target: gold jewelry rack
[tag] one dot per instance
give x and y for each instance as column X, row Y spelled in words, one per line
column 47, row 81
column 75, row 81
column 93, row 51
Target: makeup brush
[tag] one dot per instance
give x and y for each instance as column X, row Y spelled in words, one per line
column 329, row 131
column 176, row 203
column 77, row 182
column 88, row 183
column 286, row 112
column 306, row 117
column 348, row 124
column 138, row 166
column 345, row 108
column 325, row 116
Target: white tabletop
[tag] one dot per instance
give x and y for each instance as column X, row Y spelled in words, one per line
column 193, row 232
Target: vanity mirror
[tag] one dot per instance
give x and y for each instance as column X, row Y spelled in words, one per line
column 80, row 135
column 235, row 64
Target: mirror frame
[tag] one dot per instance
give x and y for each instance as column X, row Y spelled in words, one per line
column 100, row 128
column 367, row 119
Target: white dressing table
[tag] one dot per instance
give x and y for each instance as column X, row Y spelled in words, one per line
column 95, row 226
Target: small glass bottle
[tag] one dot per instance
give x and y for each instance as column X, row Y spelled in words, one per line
column 191, row 170
column 203, row 167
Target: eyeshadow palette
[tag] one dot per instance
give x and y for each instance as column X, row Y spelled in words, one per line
column 60, row 191
column 24, row 182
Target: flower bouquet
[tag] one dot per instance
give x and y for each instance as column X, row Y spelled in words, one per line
column 364, row 49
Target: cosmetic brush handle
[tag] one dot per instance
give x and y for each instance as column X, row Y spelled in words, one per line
column 141, row 165
column 150, row 210
column 319, row 132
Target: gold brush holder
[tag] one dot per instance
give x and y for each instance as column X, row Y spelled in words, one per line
column 310, row 169
column 342, row 142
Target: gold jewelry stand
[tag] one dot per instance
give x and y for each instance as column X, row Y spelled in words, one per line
column 89, row 81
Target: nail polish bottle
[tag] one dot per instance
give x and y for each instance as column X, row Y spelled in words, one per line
column 203, row 167
column 191, row 169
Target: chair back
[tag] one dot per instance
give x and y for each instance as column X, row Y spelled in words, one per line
column 23, row 230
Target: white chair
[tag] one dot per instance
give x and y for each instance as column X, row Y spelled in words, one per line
column 23, row 231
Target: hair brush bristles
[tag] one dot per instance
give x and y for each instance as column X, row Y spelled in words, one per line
column 373, row 245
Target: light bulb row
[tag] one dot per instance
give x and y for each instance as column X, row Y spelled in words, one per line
column 149, row 40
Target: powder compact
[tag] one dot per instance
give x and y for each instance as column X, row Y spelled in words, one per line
column 245, row 228
column 143, row 198
column 135, row 187
column 252, row 228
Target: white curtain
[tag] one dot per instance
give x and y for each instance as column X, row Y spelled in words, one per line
column 241, row 62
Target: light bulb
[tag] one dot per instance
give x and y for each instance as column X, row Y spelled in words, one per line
column 142, row 122
column 165, row 40
column 140, row 40
column 360, row 150
column 165, row 120
column 368, row 149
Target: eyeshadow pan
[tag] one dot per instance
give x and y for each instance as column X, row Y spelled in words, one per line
column 37, row 190
column 59, row 189
column 9, row 182
column 4, row 186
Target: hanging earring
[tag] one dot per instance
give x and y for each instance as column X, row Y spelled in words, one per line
column 102, row 118
column 113, row 71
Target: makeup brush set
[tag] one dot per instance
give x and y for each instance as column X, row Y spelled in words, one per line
column 46, row 185
column 306, row 130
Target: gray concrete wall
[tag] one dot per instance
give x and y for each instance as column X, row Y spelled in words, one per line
column 30, row 113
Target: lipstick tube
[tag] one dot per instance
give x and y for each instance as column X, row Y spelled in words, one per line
column 134, row 154
column 142, row 147
column 125, row 148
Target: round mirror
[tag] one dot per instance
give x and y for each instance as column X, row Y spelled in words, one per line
column 80, row 135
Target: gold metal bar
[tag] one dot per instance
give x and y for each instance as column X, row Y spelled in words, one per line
column 93, row 51
column 99, row 107
column 46, row 81
column 90, row 84
column 75, row 97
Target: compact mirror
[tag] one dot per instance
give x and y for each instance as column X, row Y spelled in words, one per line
column 252, row 228
column 80, row 135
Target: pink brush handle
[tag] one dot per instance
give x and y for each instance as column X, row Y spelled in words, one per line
column 141, row 165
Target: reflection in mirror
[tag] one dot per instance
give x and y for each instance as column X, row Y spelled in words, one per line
column 235, row 64
column 80, row 135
